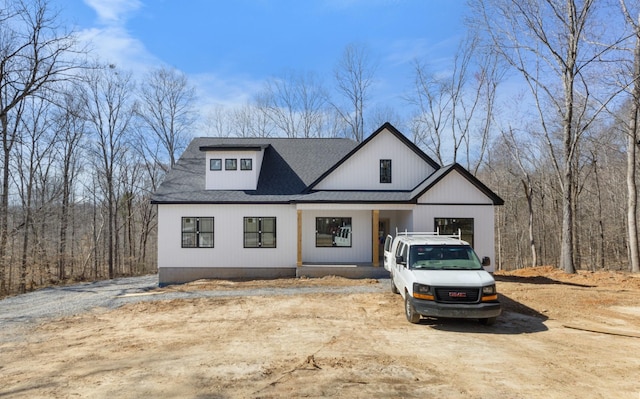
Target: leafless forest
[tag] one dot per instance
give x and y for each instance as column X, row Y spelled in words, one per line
column 541, row 102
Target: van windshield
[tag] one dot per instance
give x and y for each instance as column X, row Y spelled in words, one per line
column 443, row 257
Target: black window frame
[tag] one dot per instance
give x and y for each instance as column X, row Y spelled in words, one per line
column 259, row 235
column 231, row 164
column 385, row 171
column 328, row 228
column 199, row 233
column 243, row 162
column 453, row 224
column 212, row 160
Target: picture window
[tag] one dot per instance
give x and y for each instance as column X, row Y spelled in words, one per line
column 333, row 232
column 447, row 226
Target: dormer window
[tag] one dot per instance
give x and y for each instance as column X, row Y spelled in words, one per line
column 215, row 164
column 246, row 164
column 230, row 164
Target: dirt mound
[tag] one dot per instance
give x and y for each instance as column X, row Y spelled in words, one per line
column 553, row 275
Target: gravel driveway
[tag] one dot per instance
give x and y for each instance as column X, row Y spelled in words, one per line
column 54, row 302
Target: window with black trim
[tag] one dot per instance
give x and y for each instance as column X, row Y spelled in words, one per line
column 333, row 232
column 215, row 164
column 246, row 164
column 230, row 164
column 259, row 232
column 197, row 232
column 451, row 225
column 385, row 171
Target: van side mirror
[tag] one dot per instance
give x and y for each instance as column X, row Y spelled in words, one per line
column 400, row 260
column 486, row 261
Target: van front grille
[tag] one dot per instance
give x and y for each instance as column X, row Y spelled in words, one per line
column 457, row 295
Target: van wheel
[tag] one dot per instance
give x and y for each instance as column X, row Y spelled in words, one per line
column 394, row 289
column 488, row 321
column 410, row 311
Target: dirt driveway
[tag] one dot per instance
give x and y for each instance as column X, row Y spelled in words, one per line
column 560, row 337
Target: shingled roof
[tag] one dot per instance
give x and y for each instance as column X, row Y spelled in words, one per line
column 289, row 166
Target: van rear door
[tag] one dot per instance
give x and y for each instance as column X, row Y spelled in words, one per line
column 389, row 257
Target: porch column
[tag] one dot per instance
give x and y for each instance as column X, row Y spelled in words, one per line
column 299, row 261
column 376, row 240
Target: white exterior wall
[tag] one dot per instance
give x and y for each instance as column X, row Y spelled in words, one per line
column 361, row 236
column 362, row 170
column 454, row 189
column 483, row 224
column 233, row 179
column 228, row 248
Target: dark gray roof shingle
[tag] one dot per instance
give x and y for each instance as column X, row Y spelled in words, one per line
column 288, row 167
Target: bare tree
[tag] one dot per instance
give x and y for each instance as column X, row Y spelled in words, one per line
column 295, row 103
column 109, row 109
column 526, row 178
column 553, row 44
column 34, row 161
column 455, row 111
column 632, row 142
column 167, row 109
column 354, row 76
column 34, row 54
column 71, row 126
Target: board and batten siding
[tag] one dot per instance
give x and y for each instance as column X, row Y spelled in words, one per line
column 454, row 189
column 362, row 170
column 233, row 179
column 228, row 248
column 360, row 250
column 454, row 197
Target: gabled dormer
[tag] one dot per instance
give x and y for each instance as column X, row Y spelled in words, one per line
column 233, row 167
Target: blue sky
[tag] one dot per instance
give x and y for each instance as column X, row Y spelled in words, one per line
column 228, row 48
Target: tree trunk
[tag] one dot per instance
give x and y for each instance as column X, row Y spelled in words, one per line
column 632, row 142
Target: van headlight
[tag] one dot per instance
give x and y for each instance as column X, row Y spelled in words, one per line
column 489, row 293
column 421, row 291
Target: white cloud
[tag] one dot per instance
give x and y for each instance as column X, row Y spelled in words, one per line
column 111, row 42
column 113, row 12
column 114, row 45
column 229, row 91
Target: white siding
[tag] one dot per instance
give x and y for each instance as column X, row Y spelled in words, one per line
column 233, row 179
column 362, row 170
column 454, row 189
column 360, row 250
column 229, row 248
column 483, row 223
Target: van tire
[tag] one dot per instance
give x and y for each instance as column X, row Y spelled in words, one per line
column 410, row 311
column 394, row 289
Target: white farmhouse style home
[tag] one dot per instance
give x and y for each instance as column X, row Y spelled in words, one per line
column 238, row 208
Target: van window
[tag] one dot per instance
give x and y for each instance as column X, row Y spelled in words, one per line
column 387, row 244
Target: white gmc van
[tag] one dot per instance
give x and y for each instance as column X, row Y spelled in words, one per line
column 440, row 276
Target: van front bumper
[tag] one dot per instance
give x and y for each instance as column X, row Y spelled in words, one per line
column 457, row 310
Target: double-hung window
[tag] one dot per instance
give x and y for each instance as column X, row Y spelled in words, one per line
column 197, row 232
column 259, row 232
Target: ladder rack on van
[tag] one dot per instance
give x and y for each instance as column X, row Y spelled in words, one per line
column 428, row 233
